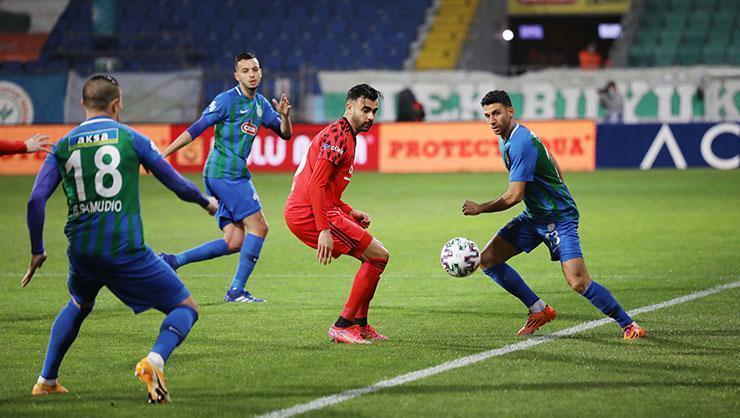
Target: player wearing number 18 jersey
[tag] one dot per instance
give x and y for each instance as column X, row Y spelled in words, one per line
column 316, row 214
column 550, row 216
column 98, row 166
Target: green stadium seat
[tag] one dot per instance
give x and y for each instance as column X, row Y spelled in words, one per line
column 648, row 35
column 714, row 54
column 674, row 20
column 669, row 38
column 681, row 5
column 699, row 20
column 708, row 5
column 720, row 38
column 694, row 36
column 689, row 55
column 733, row 54
column 665, row 55
column 653, row 7
column 723, row 20
column 641, row 55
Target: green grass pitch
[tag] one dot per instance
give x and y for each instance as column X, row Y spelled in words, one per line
column 647, row 236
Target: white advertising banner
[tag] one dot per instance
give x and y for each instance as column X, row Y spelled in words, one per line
column 671, row 94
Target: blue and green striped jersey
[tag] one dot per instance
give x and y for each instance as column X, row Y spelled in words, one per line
column 99, row 165
column 546, row 197
column 237, row 119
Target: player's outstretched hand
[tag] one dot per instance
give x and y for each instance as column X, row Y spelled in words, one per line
column 324, row 247
column 283, row 107
column 212, row 207
column 470, row 208
column 38, row 142
column 363, row 218
column 36, row 262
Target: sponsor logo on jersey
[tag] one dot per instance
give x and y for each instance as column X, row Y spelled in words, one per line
column 249, row 128
column 16, row 106
column 93, row 138
column 333, row 148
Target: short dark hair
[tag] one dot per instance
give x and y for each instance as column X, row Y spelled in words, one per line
column 243, row 56
column 496, row 96
column 99, row 91
column 363, row 90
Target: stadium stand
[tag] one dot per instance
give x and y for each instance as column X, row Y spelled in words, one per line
column 164, row 35
column 449, row 30
column 686, row 32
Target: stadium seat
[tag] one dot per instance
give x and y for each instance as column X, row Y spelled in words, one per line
column 689, row 55
column 714, row 54
column 665, row 55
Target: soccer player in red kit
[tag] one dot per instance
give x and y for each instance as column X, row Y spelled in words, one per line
column 316, row 214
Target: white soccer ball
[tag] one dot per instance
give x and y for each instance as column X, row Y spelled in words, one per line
column 460, row 257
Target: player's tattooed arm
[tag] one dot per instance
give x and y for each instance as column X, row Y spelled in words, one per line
column 511, row 197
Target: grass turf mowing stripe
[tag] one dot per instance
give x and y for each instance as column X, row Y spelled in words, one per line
column 475, row 358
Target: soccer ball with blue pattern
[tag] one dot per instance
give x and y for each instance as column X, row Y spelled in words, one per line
column 460, row 257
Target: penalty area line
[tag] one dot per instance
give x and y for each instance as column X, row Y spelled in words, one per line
column 475, row 358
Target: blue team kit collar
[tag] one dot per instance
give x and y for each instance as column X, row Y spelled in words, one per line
column 95, row 119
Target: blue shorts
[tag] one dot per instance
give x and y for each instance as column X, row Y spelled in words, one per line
column 237, row 199
column 561, row 238
column 140, row 280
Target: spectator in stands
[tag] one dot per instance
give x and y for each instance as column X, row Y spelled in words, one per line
column 589, row 58
column 36, row 142
column 613, row 103
column 409, row 109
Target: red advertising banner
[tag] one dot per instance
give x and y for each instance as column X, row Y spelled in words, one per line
column 270, row 153
column 473, row 147
column 25, row 164
column 404, row 148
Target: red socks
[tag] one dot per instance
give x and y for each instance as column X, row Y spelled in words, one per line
column 363, row 288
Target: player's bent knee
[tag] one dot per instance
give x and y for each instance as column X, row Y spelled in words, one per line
column 579, row 283
column 377, row 250
column 192, row 304
column 234, row 244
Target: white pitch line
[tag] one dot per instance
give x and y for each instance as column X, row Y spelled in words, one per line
column 475, row 358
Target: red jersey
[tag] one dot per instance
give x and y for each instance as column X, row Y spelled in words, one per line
column 324, row 173
column 12, row 147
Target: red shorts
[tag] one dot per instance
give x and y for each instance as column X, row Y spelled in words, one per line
column 349, row 237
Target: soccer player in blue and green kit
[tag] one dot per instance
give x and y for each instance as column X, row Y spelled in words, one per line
column 237, row 114
column 98, row 165
column 550, row 216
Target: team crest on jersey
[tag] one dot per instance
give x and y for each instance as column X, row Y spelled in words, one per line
column 249, row 128
column 259, row 111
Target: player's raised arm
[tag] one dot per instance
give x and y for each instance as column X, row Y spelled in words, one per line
column 214, row 113
column 283, row 109
column 167, row 175
column 46, row 182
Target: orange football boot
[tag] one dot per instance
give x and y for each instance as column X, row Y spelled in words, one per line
column 536, row 320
